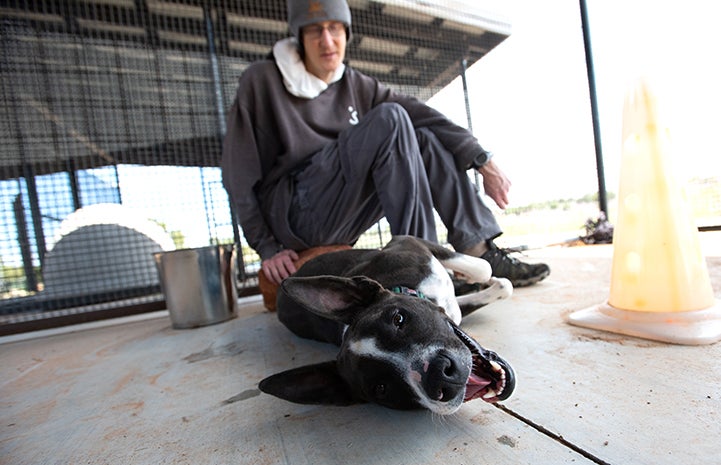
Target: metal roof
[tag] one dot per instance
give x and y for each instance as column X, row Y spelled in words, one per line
column 95, row 82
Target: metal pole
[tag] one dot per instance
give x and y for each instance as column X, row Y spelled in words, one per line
column 215, row 70
column 24, row 241
column 35, row 214
column 602, row 201
column 117, row 183
column 464, row 67
column 74, row 184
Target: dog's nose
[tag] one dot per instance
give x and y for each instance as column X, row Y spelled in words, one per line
column 445, row 378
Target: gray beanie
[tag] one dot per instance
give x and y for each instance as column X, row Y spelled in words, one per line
column 304, row 12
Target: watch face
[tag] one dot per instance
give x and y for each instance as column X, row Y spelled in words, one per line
column 481, row 159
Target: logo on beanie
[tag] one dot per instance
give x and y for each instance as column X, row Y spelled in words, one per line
column 315, row 9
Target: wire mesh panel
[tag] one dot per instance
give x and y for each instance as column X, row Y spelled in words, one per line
column 112, row 127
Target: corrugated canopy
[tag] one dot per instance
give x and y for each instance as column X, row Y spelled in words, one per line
column 88, row 83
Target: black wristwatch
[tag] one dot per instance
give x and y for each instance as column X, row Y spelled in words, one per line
column 481, row 159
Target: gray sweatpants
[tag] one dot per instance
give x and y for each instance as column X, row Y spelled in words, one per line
column 385, row 167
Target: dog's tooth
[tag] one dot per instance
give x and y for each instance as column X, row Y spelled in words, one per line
column 496, row 366
column 490, row 394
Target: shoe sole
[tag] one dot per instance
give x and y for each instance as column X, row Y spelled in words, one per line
column 531, row 281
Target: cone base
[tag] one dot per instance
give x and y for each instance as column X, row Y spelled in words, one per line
column 697, row 327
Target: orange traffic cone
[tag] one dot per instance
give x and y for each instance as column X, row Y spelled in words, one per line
column 660, row 287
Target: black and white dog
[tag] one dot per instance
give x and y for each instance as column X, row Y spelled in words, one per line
column 395, row 315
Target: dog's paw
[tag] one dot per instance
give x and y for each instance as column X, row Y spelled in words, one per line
column 501, row 288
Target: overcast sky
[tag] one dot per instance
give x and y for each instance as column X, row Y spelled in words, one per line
column 530, row 100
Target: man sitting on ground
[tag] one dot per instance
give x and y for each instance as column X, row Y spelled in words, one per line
column 317, row 152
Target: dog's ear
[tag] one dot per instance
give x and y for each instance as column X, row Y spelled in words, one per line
column 333, row 297
column 311, row 384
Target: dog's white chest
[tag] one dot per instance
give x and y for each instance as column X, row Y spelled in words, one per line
column 439, row 288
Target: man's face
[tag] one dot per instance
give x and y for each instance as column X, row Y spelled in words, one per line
column 324, row 45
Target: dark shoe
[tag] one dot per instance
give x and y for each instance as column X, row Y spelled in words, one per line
column 519, row 273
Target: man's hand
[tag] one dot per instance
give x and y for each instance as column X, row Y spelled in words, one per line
column 280, row 265
column 495, row 183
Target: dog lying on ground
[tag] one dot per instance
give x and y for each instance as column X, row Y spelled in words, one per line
column 394, row 314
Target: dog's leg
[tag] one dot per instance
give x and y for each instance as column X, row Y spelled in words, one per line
column 466, row 267
column 498, row 289
column 469, row 269
column 473, row 270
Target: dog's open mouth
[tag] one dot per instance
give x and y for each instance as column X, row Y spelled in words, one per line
column 492, row 378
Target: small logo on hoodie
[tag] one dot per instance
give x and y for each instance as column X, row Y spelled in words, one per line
column 353, row 116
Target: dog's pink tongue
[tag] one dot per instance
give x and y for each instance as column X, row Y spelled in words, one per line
column 475, row 386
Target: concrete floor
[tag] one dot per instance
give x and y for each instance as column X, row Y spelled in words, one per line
column 140, row 392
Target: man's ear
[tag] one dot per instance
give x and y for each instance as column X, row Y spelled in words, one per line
column 333, row 297
column 311, row 384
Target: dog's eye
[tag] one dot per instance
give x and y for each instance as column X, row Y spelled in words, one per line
column 398, row 319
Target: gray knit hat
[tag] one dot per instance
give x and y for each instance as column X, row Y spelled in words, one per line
column 304, row 12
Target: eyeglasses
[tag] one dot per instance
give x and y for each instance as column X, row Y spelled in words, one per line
column 315, row 31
